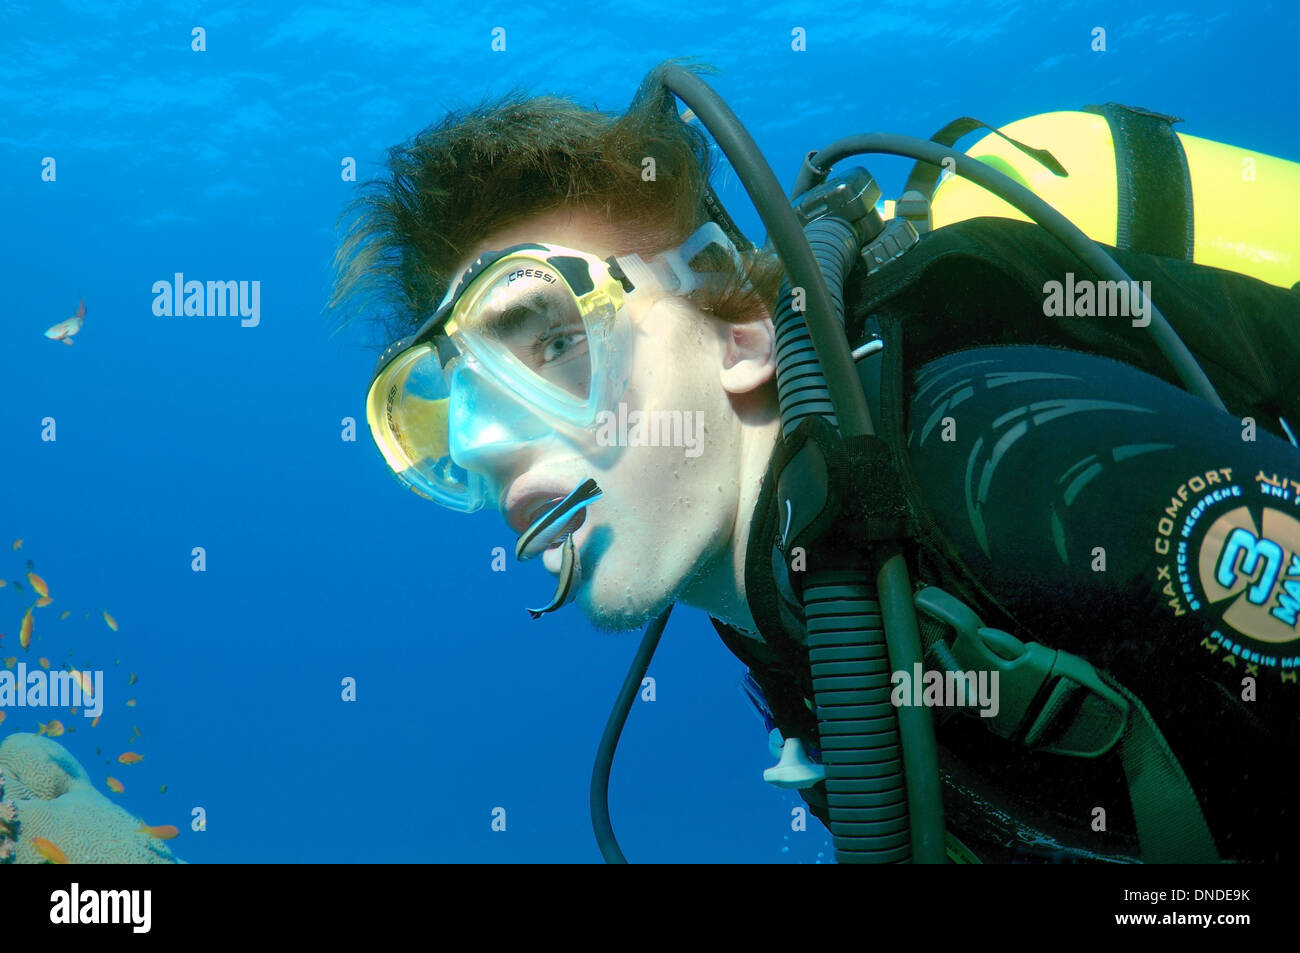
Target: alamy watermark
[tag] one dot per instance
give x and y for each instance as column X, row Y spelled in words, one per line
column 651, row 428
column 1098, row 299
column 129, row 907
column 40, row 689
column 211, row 299
column 946, row 689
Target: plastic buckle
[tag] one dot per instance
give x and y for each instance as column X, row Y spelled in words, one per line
column 1021, row 669
column 1035, row 682
column 915, row 208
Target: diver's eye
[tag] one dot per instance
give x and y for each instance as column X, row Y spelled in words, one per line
column 561, row 346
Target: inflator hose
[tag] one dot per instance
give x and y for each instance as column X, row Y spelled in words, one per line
column 800, row 386
column 877, row 774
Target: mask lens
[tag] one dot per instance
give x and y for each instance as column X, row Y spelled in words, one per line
column 527, row 315
column 407, row 411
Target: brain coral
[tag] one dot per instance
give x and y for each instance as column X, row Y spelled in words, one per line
column 54, row 799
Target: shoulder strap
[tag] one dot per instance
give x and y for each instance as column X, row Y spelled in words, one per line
column 1056, row 702
column 1171, row 827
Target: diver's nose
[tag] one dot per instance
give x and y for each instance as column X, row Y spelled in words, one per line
column 489, row 431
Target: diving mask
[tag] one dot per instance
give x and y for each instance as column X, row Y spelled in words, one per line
column 527, row 345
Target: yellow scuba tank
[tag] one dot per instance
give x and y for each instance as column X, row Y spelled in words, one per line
column 1132, row 182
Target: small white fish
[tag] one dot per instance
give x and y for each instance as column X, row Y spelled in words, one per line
column 567, row 586
column 64, row 330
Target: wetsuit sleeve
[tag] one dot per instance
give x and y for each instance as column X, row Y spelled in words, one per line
column 1115, row 516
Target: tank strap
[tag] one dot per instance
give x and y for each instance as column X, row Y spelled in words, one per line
column 1153, row 182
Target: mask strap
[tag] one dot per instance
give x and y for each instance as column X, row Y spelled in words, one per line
column 671, row 269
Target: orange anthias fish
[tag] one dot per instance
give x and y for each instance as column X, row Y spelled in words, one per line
column 132, row 679
column 25, row 632
column 165, row 832
column 65, row 329
column 66, row 613
column 130, row 703
column 2, row 716
column 84, row 680
column 51, row 728
column 48, row 851
column 112, row 623
column 116, row 786
column 10, row 661
column 45, row 663
column 43, row 601
column 38, row 584
column 18, row 543
column 130, row 757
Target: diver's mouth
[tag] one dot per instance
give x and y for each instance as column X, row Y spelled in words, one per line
column 560, row 533
column 533, row 515
column 553, row 521
column 552, row 535
column 569, row 529
column 574, row 535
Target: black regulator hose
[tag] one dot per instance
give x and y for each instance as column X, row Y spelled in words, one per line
column 600, row 821
column 1066, row 232
column 843, row 387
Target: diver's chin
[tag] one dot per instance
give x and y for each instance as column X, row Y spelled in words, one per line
column 621, row 619
column 619, row 610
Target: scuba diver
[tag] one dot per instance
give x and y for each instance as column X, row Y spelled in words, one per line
column 1004, row 523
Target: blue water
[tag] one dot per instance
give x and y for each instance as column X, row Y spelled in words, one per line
column 182, row 432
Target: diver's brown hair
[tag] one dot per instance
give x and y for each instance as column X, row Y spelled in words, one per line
column 484, row 169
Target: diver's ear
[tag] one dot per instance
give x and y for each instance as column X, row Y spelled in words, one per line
column 750, row 358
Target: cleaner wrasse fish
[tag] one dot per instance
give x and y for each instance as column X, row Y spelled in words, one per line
column 567, row 584
column 553, row 524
